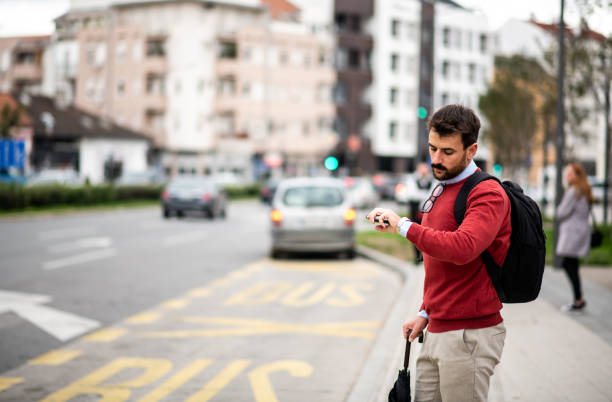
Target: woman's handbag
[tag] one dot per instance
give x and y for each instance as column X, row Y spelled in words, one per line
column 596, row 234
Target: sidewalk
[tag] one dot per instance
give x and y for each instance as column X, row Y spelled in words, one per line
column 548, row 355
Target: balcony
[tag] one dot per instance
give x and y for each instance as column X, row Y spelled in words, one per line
column 27, row 72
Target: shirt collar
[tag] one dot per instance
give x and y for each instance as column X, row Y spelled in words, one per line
column 467, row 172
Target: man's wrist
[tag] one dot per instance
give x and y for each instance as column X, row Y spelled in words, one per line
column 423, row 314
column 402, row 226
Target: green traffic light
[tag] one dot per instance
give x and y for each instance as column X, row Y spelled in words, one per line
column 422, row 112
column 497, row 169
column 331, row 163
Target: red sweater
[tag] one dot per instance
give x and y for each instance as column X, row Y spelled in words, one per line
column 458, row 293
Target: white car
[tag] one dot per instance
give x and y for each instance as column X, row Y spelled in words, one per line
column 312, row 215
column 45, row 177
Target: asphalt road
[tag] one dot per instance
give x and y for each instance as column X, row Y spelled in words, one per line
column 129, row 306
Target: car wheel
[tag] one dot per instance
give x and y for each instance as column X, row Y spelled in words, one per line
column 166, row 213
column 351, row 254
column 210, row 214
column 180, row 213
column 275, row 254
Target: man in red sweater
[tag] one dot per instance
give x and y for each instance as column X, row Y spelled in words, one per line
column 461, row 310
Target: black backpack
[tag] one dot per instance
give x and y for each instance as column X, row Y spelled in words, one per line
column 519, row 279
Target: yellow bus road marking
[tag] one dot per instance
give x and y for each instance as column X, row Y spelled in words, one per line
column 56, row 357
column 7, row 382
column 220, row 282
column 220, row 381
column 175, row 304
column 260, row 377
column 106, row 335
column 143, row 318
column 242, row 327
column 353, row 269
column 176, row 381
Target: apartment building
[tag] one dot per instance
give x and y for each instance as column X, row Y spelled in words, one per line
column 463, row 65
column 218, row 85
column 21, row 63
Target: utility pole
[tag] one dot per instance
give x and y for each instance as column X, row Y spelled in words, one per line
column 607, row 73
column 426, row 68
column 560, row 140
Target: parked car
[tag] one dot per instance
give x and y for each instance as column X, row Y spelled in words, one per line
column 597, row 186
column 194, row 193
column 145, row 178
column 266, row 194
column 409, row 190
column 362, row 193
column 66, row 177
column 312, row 215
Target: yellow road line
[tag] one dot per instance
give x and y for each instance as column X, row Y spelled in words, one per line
column 55, row 357
column 106, row 335
column 143, row 318
column 7, row 382
column 175, row 304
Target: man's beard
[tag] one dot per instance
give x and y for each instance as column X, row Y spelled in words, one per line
column 452, row 173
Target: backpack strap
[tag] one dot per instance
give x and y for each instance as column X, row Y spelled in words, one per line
column 459, row 210
column 461, row 200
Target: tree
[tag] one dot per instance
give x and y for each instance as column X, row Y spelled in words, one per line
column 517, row 102
column 9, row 117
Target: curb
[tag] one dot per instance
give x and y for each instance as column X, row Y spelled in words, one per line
column 385, row 358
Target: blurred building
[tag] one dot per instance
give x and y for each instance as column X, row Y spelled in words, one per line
column 534, row 39
column 21, row 63
column 232, row 85
column 463, row 65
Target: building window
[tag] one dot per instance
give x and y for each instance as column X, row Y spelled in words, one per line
column 90, row 55
column 393, row 96
column 392, row 130
column 394, row 62
column 156, row 47
column 355, row 23
column 472, row 72
column 156, row 84
column 340, row 93
column 228, row 50
column 469, row 40
column 483, row 43
column 341, row 58
column 457, row 38
column 456, row 71
column 395, row 28
column 283, row 58
column 444, row 98
column 121, row 50
column 353, row 58
column 410, row 64
column 341, row 22
column 120, row 87
column 445, row 69
column 226, row 85
column 446, row 33
column 25, row 58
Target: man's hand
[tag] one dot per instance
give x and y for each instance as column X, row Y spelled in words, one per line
column 383, row 214
column 417, row 325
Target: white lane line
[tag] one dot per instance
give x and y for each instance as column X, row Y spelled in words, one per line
column 79, row 259
column 89, row 242
column 66, row 232
column 184, row 238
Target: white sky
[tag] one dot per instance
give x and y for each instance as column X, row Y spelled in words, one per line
column 34, row 17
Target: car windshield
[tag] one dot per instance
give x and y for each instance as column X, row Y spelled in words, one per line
column 312, row 196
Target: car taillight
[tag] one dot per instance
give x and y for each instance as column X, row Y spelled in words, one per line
column 165, row 195
column 349, row 216
column 277, row 217
column 400, row 187
column 206, row 197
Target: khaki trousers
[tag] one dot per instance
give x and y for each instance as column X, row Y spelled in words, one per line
column 456, row 366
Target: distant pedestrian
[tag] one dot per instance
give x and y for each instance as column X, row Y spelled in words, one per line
column 465, row 333
column 574, row 231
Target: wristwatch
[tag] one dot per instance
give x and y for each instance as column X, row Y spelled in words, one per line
column 400, row 223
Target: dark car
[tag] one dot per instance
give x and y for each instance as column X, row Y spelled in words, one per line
column 266, row 194
column 194, row 193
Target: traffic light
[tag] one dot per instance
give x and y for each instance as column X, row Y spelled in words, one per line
column 331, row 163
column 422, row 112
column 497, row 169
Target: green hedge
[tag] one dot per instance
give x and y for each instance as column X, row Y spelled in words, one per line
column 14, row 197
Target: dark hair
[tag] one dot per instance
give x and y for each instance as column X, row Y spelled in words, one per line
column 452, row 119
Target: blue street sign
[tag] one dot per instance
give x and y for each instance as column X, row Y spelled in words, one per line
column 12, row 154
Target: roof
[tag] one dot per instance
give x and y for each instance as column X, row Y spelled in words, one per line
column 71, row 122
column 8, row 99
column 280, row 9
column 554, row 30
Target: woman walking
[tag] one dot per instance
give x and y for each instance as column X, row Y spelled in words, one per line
column 574, row 231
